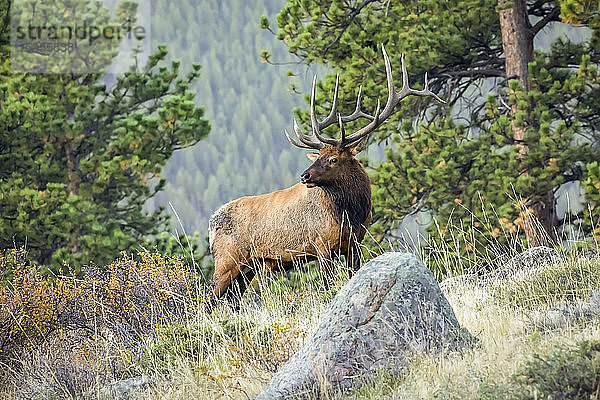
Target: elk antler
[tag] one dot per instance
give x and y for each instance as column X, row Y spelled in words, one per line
column 318, row 141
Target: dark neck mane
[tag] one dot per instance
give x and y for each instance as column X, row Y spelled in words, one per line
column 350, row 198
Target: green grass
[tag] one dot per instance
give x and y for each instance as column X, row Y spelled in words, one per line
column 565, row 372
column 552, row 285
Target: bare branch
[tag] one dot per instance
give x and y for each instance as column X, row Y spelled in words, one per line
column 541, row 24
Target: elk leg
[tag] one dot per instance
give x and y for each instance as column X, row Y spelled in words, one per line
column 226, row 270
column 239, row 286
column 353, row 259
column 222, row 279
column 268, row 266
column 241, row 282
column 229, row 282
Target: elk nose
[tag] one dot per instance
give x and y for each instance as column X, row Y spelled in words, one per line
column 305, row 176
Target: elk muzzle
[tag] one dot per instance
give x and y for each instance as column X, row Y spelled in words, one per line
column 306, row 179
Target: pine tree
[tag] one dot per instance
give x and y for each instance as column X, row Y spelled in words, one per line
column 462, row 161
column 79, row 158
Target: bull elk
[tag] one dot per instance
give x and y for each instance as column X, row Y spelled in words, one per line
column 326, row 214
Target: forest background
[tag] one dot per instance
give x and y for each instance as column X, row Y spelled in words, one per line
column 247, row 154
column 439, row 161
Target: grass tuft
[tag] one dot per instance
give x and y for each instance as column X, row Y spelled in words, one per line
column 551, row 285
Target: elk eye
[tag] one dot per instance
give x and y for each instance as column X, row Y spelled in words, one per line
column 333, row 160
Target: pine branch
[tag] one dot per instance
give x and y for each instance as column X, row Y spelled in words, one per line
column 541, row 24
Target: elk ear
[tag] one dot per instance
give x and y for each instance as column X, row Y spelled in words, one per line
column 360, row 146
column 312, row 156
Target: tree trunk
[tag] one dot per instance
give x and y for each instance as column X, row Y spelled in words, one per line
column 517, row 43
column 517, row 39
column 539, row 218
column 73, row 188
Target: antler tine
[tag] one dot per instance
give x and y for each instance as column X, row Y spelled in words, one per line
column 316, row 126
column 392, row 101
column 292, row 141
column 393, row 98
column 306, row 142
column 312, row 142
column 328, row 120
column 342, row 130
column 318, row 141
column 427, row 92
column 365, row 130
column 358, row 112
column 406, row 89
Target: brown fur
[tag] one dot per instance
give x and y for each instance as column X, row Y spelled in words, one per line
column 326, row 215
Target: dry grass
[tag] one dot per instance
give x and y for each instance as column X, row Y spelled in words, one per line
column 516, row 321
column 62, row 336
column 72, row 339
column 67, row 338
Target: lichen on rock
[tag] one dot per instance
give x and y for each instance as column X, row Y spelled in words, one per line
column 391, row 309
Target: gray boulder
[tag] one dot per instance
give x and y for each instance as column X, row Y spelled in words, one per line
column 458, row 282
column 391, row 309
column 532, row 259
column 535, row 257
column 555, row 318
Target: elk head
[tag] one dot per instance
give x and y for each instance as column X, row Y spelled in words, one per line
column 336, row 156
column 329, row 165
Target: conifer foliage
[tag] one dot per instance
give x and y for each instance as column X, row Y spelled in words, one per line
column 463, row 162
column 79, row 157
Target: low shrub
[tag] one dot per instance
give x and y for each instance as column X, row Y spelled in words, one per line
column 567, row 372
column 100, row 322
column 248, row 345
